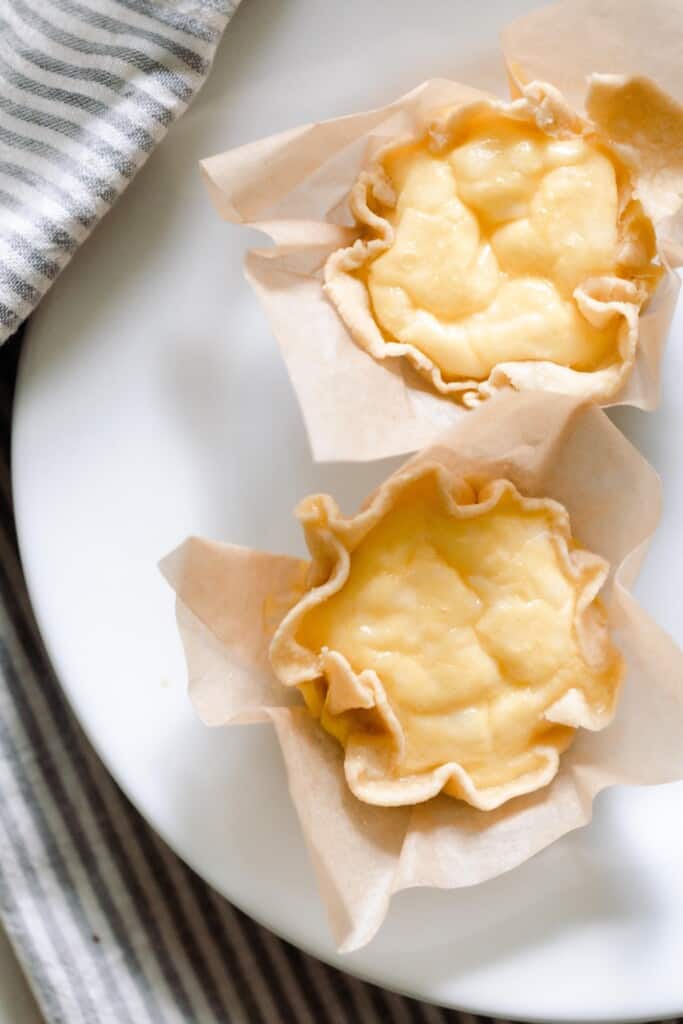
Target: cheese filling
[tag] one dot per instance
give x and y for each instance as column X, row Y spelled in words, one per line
column 469, row 624
column 491, row 238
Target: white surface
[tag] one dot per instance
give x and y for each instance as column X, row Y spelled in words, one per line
column 152, row 403
column 17, row 1005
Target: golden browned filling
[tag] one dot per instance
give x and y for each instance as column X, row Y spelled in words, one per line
column 469, row 624
column 491, row 238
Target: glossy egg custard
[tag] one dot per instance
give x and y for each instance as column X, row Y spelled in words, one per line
column 490, row 237
column 462, row 623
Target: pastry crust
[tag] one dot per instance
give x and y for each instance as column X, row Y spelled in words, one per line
column 598, row 299
column 375, row 743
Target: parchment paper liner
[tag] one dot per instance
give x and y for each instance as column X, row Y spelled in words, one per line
column 231, row 599
column 294, row 186
column 368, row 762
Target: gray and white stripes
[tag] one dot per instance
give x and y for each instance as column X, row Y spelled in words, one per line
column 87, row 89
column 111, row 927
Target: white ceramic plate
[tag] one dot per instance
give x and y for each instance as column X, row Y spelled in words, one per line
column 152, row 403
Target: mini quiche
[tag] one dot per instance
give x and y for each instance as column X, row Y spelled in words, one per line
column 503, row 246
column 450, row 637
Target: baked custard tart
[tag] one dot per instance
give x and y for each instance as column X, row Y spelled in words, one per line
column 451, row 638
column 504, row 246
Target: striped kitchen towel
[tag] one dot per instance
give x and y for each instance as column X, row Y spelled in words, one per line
column 87, row 89
column 110, row 926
